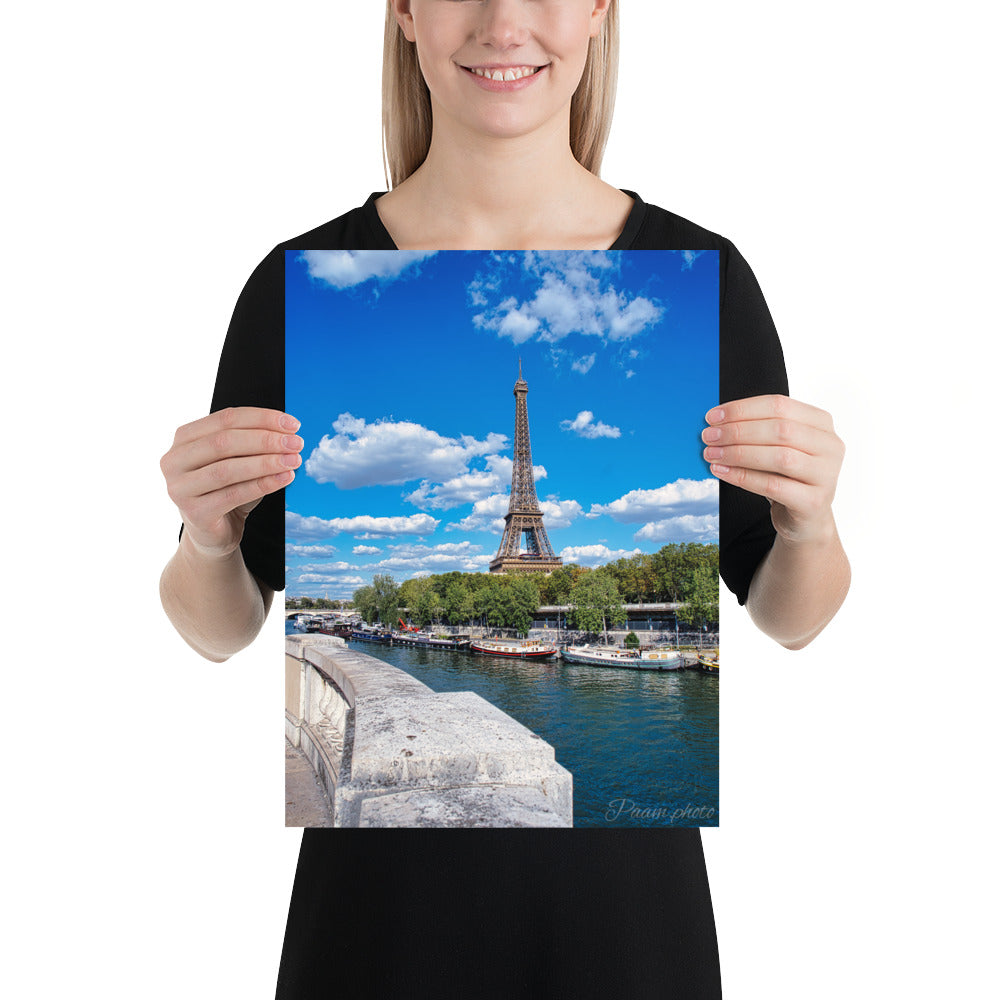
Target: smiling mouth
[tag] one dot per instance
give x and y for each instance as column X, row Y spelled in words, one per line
column 504, row 73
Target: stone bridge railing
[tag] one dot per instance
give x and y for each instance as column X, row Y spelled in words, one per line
column 390, row 752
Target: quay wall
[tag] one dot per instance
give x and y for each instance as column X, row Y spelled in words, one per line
column 391, row 752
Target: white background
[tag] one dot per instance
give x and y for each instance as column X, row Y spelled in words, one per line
column 156, row 152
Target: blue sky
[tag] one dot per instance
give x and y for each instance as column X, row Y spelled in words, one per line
column 401, row 367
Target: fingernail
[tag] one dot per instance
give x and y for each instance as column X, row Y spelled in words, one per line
column 711, row 434
column 292, row 442
column 719, row 469
column 291, row 460
column 289, row 423
column 715, row 415
column 711, row 453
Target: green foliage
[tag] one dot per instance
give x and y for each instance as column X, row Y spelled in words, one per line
column 702, row 606
column 555, row 588
column 366, row 603
column 508, row 601
column 423, row 601
column 631, row 641
column 521, row 601
column 386, row 598
column 458, row 606
column 680, row 573
column 596, row 603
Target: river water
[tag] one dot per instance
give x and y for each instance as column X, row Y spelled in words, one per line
column 642, row 745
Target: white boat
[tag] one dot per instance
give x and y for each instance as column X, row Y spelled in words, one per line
column 600, row 655
column 661, row 659
column 612, row 656
column 521, row 649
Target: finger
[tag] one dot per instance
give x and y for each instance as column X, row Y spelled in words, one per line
column 212, row 507
column 237, row 417
column 225, row 444
column 780, row 489
column 231, row 471
column 787, row 462
column 770, row 407
column 783, row 433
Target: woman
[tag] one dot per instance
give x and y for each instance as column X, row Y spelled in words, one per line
column 496, row 113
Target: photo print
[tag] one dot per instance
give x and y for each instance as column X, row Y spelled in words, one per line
column 502, row 544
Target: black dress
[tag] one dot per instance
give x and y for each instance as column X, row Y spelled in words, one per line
column 503, row 913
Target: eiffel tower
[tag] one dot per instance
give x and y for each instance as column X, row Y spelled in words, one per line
column 524, row 516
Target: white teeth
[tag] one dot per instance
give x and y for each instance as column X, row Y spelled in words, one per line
column 514, row 73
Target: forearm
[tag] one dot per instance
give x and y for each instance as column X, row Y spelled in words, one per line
column 213, row 601
column 798, row 588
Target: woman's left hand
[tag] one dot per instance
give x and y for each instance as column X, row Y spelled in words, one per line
column 783, row 450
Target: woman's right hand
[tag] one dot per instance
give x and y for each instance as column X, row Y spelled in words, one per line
column 221, row 466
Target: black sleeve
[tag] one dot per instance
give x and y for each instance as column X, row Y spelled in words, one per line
column 751, row 363
column 252, row 373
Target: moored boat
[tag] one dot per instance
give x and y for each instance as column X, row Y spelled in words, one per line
column 600, row 655
column 371, row 635
column 522, row 649
column 708, row 662
column 661, row 659
column 426, row 640
column 611, row 656
column 342, row 630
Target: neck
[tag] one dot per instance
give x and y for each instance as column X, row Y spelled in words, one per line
column 474, row 178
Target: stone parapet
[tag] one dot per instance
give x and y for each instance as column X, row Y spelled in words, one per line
column 390, row 751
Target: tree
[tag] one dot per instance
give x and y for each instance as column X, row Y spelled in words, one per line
column 457, row 602
column 366, row 603
column 386, row 599
column 508, row 601
column 423, row 601
column 520, row 601
column 702, row 605
column 596, row 601
column 631, row 641
column 556, row 586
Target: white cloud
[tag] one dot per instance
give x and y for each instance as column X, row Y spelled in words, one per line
column 594, row 555
column 467, row 488
column 688, row 258
column 685, row 528
column 392, row 452
column 518, row 323
column 584, row 364
column 583, row 425
column 559, row 513
column 503, row 466
column 684, row 496
column 488, row 514
column 310, row 550
column 574, row 294
column 406, row 549
column 365, row 550
column 442, row 558
column 341, row 581
column 364, row 526
column 476, row 484
column 344, row 268
column 333, row 567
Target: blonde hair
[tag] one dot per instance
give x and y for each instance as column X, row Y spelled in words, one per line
column 406, row 101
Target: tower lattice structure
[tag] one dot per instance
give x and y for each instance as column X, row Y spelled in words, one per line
column 524, row 516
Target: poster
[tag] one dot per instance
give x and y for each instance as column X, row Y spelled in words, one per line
column 502, row 544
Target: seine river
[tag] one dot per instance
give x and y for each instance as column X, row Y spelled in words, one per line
column 642, row 745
